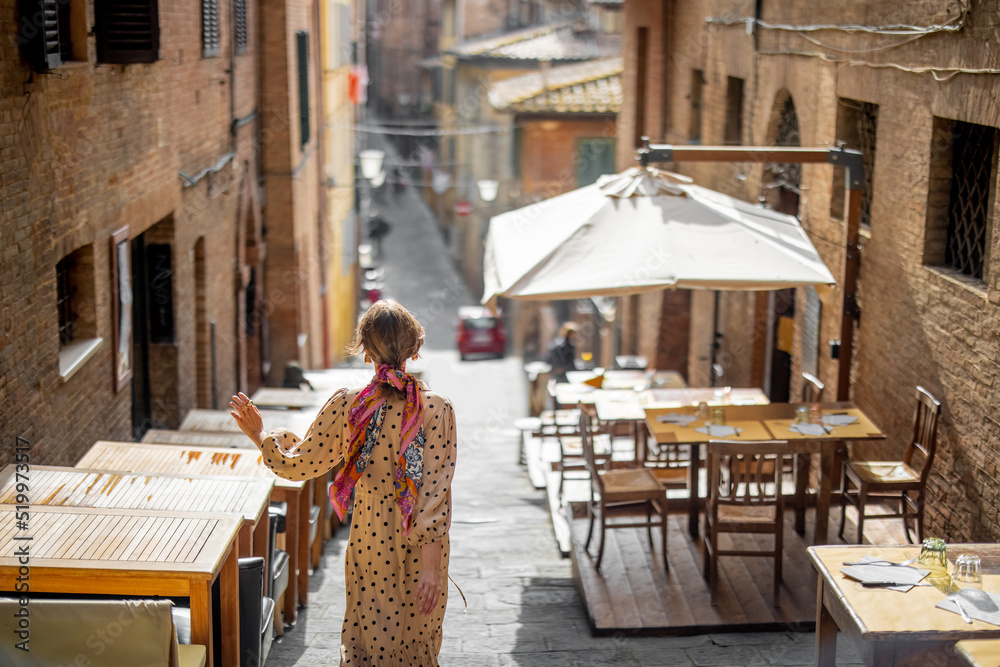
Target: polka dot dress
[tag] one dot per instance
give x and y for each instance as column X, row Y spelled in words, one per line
column 382, row 625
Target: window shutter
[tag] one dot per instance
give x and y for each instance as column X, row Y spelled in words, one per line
column 210, row 36
column 40, row 33
column 302, row 44
column 128, row 31
column 240, row 16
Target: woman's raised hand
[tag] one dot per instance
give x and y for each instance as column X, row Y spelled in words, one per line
column 247, row 417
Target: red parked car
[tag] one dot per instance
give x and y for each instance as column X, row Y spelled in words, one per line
column 479, row 332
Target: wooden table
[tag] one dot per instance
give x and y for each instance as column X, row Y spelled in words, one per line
column 320, row 498
column 78, row 487
column 203, row 438
column 292, row 399
column 979, row 652
column 297, row 421
column 831, row 457
column 888, row 627
column 627, row 405
column 90, row 550
column 173, row 459
column 770, row 422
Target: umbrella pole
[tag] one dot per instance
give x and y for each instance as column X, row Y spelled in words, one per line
column 850, row 303
column 715, row 338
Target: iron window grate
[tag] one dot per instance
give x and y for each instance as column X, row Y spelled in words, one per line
column 973, row 159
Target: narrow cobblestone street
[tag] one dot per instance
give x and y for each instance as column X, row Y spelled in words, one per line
column 522, row 606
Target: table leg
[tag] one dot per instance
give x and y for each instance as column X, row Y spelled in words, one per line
column 802, row 462
column 827, row 465
column 694, row 499
column 201, row 618
column 316, row 547
column 294, row 499
column 246, row 540
column 229, row 601
column 641, row 441
column 303, row 579
column 261, row 534
column 826, row 630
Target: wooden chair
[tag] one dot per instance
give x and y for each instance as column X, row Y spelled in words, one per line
column 744, row 497
column 812, row 389
column 630, row 493
column 903, row 481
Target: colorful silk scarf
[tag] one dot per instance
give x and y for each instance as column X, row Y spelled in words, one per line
column 365, row 418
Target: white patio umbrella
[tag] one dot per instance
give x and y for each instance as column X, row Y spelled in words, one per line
column 644, row 230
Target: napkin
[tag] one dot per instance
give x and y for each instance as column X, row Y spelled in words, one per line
column 809, row 429
column 839, row 420
column 676, row 418
column 974, row 612
column 905, row 576
column 719, row 430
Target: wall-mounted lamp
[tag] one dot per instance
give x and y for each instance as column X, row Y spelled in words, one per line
column 371, row 163
column 488, row 189
column 379, row 179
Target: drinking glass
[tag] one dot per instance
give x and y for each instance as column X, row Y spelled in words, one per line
column 718, row 416
column 968, row 572
column 815, row 413
column 802, row 414
column 701, row 412
column 933, row 555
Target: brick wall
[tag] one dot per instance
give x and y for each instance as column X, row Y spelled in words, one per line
column 85, row 150
column 291, row 208
column 548, row 151
column 919, row 324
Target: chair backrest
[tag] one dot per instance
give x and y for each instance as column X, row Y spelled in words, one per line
column 812, row 389
column 589, row 457
column 107, row 632
column 745, row 473
column 924, row 441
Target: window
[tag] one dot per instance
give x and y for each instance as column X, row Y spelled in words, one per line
column 857, row 127
column 240, row 21
column 641, row 54
column 595, row 157
column 210, row 36
column 302, row 46
column 53, row 32
column 960, row 202
column 697, row 92
column 128, row 31
column 734, row 111
column 75, row 304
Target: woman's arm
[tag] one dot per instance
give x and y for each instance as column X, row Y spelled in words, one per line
column 285, row 453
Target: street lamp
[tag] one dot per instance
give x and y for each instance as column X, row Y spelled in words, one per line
column 488, row 190
column 371, row 162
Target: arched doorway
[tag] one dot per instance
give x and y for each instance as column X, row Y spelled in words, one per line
column 782, row 185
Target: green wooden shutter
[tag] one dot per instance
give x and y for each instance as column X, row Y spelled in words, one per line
column 302, row 44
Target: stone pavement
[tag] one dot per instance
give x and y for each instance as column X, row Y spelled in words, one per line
column 522, row 606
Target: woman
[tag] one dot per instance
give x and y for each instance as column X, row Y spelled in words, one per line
column 397, row 442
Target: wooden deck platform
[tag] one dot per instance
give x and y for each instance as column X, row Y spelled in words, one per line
column 633, row 594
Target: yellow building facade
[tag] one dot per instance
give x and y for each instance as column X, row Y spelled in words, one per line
column 339, row 48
